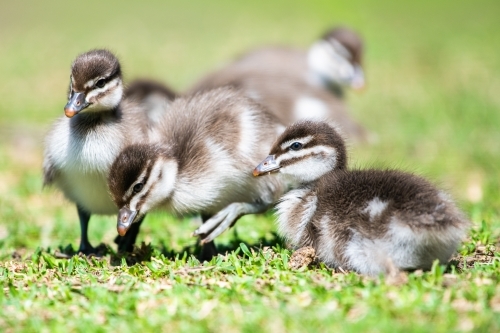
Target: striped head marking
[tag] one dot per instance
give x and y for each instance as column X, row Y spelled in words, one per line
column 305, row 151
column 141, row 178
column 96, row 83
column 337, row 58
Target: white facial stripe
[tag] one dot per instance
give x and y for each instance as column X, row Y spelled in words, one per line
column 89, row 83
column 163, row 189
column 328, row 62
column 339, row 48
column 312, row 166
column 113, row 83
column 108, row 101
column 153, row 178
column 316, row 150
column 308, row 169
column 305, row 140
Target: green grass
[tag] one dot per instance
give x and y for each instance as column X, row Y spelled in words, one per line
column 433, row 80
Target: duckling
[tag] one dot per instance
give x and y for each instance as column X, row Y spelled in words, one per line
column 296, row 84
column 202, row 164
column 363, row 220
column 100, row 120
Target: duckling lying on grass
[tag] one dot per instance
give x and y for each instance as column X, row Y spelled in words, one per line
column 363, row 220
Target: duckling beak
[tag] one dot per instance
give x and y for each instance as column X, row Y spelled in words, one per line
column 75, row 104
column 266, row 166
column 125, row 219
column 358, row 79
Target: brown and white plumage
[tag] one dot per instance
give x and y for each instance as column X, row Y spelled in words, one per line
column 202, row 164
column 363, row 220
column 99, row 122
column 296, row 84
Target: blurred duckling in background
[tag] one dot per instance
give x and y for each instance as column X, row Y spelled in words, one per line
column 153, row 98
column 363, row 220
column 202, row 165
column 295, row 84
column 100, row 120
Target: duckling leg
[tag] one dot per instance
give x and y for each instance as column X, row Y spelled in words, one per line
column 208, row 249
column 126, row 243
column 226, row 218
column 85, row 246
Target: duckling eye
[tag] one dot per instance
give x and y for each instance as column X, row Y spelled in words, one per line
column 100, row 83
column 138, row 187
column 296, row 146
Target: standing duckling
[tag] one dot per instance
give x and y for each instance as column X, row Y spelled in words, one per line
column 100, row 120
column 296, row 84
column 202, row 164
column 362, row 220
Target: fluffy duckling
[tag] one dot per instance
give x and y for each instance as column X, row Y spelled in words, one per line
column 100, row 120
column 363, row 220
column 202, row 165
column 296, row 84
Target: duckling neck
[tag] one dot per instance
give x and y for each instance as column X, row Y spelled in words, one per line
column 335, row 88
column 295, row 183
column 96, row 118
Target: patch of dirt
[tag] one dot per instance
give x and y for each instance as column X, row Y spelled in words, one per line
column 19, row 254
column 483, row 255
column 303, row 257
column 396, row 278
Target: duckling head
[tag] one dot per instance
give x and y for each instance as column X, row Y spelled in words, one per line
column 304, row 152
column 337, row 58
column 95, row 84
column 141, row 178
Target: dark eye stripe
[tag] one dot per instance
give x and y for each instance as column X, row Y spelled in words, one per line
column 294, row 160
column 143, row 198
column 145, row 195
column 104, row 93
column 133, row 180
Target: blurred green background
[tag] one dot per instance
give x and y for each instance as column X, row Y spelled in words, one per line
column 432, row 67
column 433, row 99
